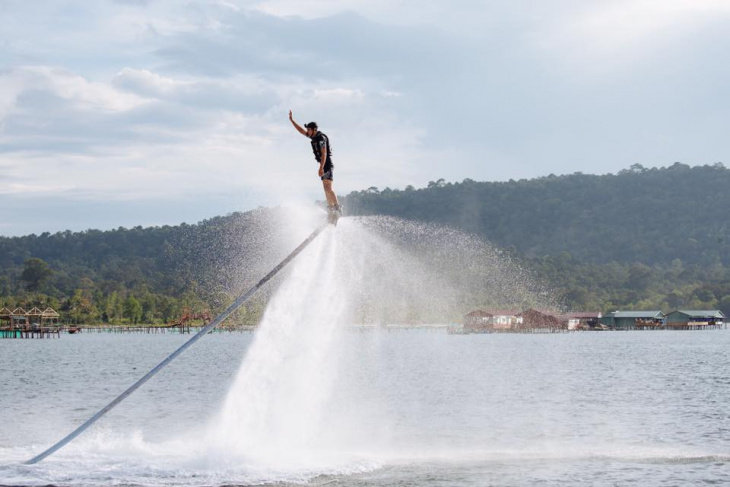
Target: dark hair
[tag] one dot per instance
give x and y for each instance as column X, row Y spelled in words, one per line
column 311, row 125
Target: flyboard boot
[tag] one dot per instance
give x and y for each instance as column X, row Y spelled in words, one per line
column 333, row 214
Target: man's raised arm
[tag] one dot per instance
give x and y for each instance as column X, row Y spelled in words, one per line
column 296, row 125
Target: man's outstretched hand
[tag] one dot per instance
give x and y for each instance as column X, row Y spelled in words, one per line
column 291, row 119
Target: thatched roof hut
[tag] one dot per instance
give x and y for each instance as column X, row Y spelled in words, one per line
column 5, row 315
column 50, row 315
column 34, row 315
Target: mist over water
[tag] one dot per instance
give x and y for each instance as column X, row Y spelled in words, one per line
column 282, row 407
column 397, row 271
column 274, row 412
column 310, row 398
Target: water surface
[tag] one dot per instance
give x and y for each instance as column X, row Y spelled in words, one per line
column 405, row 408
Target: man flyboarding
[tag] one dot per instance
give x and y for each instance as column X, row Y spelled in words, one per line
column 323, row 155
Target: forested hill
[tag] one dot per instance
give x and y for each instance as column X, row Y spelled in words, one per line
column 653, row 216
column 156, row 271
column 640, row 239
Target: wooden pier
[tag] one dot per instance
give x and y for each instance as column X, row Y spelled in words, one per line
column 57, row 331
column 35, row 323
column 149, row 329
column 31, row 332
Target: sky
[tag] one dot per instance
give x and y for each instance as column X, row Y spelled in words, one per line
column 153, row 112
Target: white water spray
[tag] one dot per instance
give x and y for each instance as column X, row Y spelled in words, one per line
column 281, row 412
column 275, row 411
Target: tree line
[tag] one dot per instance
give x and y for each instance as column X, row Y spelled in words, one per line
column 137, row 275
column 642, row 238
column 652, row 216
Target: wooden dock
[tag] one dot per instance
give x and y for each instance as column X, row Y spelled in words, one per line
column 31, row 332
column 149, row 329
column 57, row 331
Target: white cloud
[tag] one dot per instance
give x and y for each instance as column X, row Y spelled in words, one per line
column 611, row 34
column 401, row 12
column 624, row 22
column 339, row 94
column 82, row 93
column 33, row 189
column 136, row 99
column 144, row 135
column 143, row 81
column 10, row 88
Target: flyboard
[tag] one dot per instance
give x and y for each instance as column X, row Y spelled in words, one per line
column 334, row 214
column 332, row 217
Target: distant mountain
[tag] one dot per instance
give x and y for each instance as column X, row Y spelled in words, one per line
column 657, row 238
column 167, row 267
column 651, row 216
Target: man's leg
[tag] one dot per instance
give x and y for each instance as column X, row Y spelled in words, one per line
column 329, row 193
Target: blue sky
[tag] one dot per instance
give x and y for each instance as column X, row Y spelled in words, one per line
column 149, row 112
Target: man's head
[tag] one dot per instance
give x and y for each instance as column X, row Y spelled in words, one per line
column 311, row 128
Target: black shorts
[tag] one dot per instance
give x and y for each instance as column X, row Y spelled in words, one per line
column 329, row 170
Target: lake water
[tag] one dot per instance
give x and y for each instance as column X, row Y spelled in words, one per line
column 306, row 400
column 399, row 409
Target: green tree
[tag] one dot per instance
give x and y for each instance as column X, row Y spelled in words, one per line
column 112, row 307
column 724, row 305
column 149, row 307
column 577, row 299
column 81, row 308
column 35, row 273
column 5, row 288
column 640, row 276
column 132, row 309
column 169, row 309
column 674, row 300
column 704, row 294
